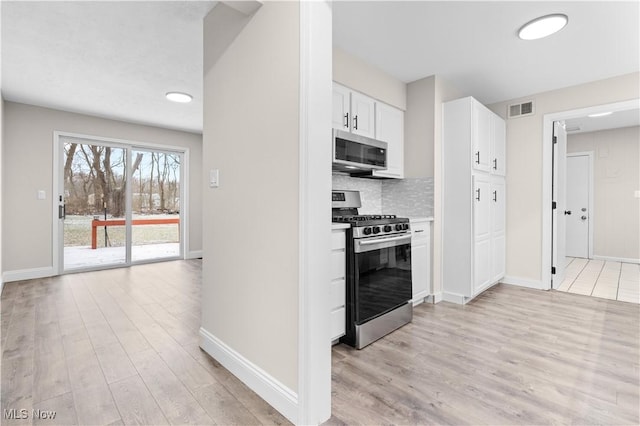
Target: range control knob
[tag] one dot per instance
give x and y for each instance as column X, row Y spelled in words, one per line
column 387, row 228
column 399, row 227
column 405, row 226
column 376, row 229
column 367, row 230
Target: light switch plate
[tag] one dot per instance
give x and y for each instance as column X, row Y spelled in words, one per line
column 42, row 195
column 214, row 178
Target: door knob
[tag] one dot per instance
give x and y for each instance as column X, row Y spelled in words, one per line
column 583, row 218
column 567, row 212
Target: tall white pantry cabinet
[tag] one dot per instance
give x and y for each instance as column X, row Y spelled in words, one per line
column 474, row 154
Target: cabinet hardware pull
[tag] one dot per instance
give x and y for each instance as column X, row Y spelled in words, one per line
column 495, row 196
column 478, row 194
column 346, row 120
column 355, row 122
column 419, row 230
column 477, row 157
column 495, row 164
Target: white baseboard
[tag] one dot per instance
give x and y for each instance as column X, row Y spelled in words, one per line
column 454, row 298
column 266, row 386
column 523, row 282
column 617, row 259
column 27, row 274
column 195, row 254
column 437, row 298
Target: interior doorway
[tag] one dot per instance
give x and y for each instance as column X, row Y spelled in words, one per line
column 118, row 203
column 584, row 163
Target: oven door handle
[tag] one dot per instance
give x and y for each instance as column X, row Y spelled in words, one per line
column 362, row 246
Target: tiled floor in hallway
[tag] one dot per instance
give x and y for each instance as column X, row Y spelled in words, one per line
column 604, row 279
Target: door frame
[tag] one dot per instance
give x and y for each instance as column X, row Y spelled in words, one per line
column 590, row 156
column 547, row 169
column 57, row 228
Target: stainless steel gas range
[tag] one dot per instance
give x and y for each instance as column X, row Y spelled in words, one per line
column 378, row 294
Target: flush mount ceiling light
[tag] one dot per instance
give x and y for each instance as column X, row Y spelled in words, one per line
column 600, row 114
column 543, row 26
column 179, row 97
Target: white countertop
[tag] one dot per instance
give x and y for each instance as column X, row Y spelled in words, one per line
column 421, row 219
column 338, row 226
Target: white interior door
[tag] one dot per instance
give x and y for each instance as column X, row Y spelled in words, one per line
column 578, row 194
column 559, row 197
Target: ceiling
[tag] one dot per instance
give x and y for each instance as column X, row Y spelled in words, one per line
column 110, row 59
column 118, row 59
column 474, row 44
column 618, row 119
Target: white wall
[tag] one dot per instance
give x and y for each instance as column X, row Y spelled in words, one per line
column 28, row 166
column 251, row 238
column 616, row 169
column 1, row 187
column 524, row 165
column 358, row 75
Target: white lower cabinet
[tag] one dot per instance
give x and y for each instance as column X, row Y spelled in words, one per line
column 420, row 260
column 338, row 282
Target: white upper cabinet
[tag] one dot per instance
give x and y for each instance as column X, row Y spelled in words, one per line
column 390, row 129
column 363, row 111
column 498, row 146
column 362, row 115
column 481, row 138
column 341, row 108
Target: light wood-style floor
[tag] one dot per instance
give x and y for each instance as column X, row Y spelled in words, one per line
column 513, row 356
column 120, row 347
column 605, row 279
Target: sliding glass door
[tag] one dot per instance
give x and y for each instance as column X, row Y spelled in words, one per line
column 155, row 205
column 118, row 204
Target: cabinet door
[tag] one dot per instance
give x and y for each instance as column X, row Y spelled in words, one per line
column 498, row 225
column 498, row 146
column 340, row 109
column 482, row 233
column 420, row 261
column 363, row 115
column 481, row 136
column 390, row 129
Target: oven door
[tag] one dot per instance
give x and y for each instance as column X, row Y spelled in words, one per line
column 382, row 275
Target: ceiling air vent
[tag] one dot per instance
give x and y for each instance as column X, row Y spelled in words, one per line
column 520, row 110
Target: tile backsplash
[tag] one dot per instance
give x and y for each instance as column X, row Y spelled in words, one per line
column 412, row 197
column 370, row 191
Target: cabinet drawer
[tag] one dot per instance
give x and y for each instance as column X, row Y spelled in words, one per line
column 337, row 295
column 338, row 264
column 337, row 323
column 337, row 240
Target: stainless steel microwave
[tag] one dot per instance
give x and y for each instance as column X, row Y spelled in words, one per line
column 356, row 154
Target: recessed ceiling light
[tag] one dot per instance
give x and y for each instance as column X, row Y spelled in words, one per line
column 179, row 97
column 600, row 114
column 543, row 26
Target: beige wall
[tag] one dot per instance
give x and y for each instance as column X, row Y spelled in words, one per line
column 419, row 128
column 524, row 164
column 251, row 238
column 616, row 177
column 356, row 74
column 28, row 167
